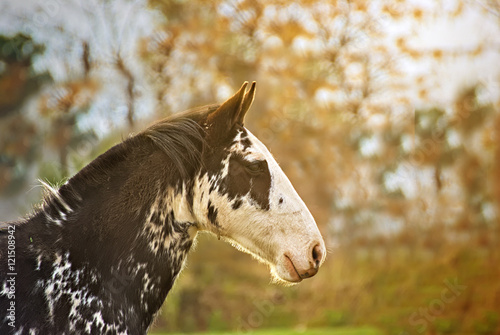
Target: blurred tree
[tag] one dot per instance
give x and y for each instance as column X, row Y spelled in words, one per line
column 16, row 54
column 379, row 120
column 17, row 84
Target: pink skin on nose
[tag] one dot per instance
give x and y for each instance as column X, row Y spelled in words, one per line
column 297, row 273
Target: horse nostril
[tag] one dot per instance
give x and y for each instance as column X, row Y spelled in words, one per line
column 317, row 255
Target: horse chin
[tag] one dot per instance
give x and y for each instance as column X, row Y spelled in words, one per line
column 283, row 270
column 284, row 273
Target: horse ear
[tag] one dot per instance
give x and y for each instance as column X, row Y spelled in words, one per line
column 232, row 111
column 245, row 105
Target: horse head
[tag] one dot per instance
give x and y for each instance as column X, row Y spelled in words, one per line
column 242, row 195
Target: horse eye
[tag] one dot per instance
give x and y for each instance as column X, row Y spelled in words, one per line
column 254, row 167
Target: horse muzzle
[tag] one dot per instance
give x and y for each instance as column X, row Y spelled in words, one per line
column 294, row 267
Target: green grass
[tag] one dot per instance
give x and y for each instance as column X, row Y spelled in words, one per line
column 320, row 331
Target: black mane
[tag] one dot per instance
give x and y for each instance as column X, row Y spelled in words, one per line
column 181, row 137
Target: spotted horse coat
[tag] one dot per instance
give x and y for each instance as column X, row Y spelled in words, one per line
column 101, row 253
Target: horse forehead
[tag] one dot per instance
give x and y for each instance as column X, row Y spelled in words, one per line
column 249, row 146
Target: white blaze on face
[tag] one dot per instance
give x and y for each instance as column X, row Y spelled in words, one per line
column 285, row 236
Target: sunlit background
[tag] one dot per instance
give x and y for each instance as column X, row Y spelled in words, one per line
column 384, row 115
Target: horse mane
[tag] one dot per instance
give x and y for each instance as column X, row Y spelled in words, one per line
column 180, row 137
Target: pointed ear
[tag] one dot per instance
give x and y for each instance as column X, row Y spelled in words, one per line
column 245, row 105
column 232, row 111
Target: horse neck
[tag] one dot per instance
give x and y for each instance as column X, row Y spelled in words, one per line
column 124, row 218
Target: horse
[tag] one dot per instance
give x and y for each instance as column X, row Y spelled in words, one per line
column 100, row 254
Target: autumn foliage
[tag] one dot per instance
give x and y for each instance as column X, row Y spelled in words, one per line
column 402, row 176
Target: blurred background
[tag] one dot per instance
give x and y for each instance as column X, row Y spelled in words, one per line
column 385, row 115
